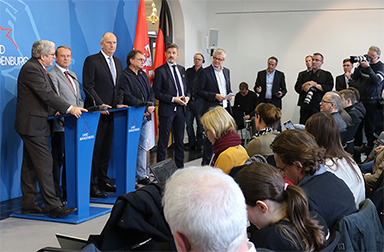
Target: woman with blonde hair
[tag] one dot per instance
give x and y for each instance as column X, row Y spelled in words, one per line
column 220, row 128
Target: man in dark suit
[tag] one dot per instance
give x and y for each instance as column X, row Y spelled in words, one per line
column 35, row 92
column 68, row 89
column 170, row 87
column 214, row 86
column 134, row 90
column 270, row 84
column 345, row 80
column 101, row 76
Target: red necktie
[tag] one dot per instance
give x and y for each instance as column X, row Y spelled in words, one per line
column 66, row 75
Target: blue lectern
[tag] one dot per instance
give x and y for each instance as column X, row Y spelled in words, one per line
column 79, row 135
column 126, row 141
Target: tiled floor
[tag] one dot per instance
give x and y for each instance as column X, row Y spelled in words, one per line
column 14, row 205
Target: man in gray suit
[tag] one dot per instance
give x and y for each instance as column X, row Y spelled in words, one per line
column 35, row 92
column 67, row 88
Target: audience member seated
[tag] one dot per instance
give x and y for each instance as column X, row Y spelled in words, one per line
column 324, row 128
column 331, row 104
column 359, row 132
column 266, row 119
column 206, row 211
column 301, row 160
column 246, row 100
column 220, row 128
column 278, row 210
column 377, row 167
column 348, row 99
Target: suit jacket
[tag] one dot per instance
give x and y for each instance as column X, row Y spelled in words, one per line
column 164, row 87
column 65, row 91
column 97, row 79
column 277, row 85
column 131, row 91
column 340, row 82
column 35, row 92
column 207, row 87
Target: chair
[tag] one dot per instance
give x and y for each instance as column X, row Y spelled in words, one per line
column 241, row 124
column 361, row 231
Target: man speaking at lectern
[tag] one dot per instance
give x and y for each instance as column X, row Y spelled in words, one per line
column 35, row 92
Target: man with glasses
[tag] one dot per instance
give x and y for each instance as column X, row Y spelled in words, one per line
column 313, row 85
column 35, row 92
column 135, row 89
column 331, row 103
column 214, row 86
column 195, row 104
column 369, row 77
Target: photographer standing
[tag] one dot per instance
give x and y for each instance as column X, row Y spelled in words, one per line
column 311, row 86
column 369, row 76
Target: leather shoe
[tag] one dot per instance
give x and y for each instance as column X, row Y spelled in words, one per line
column 108, row 187
column 363, row 149
column 61, row 211
column 34, row 210
column 97, row 193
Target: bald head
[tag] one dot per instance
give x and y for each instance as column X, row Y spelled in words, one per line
column 108, row 43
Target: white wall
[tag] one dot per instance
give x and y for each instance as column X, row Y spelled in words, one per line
column 252, row 31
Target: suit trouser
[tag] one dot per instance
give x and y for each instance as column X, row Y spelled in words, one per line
column 37, row 167
column 176, row 122
column 57, row 145
column 306, row 111
column 370, row 119
column 102, row 151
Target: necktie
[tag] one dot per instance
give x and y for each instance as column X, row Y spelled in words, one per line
column 112, row 70
column 66, row 75
column 179, row 91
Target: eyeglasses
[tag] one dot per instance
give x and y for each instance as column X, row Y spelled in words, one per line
column 205, row 133
column 281, row 169
column 141, row 60
column 322, row 101
column 218, row 59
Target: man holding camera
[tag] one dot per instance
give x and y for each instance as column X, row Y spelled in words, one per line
column 311, row 86
column 369, row 76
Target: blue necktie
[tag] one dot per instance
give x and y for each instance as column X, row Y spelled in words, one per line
column 179, row 91
column 112, row 70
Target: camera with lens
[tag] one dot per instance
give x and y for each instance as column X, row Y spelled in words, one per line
column 309, row 96
column 359, row 59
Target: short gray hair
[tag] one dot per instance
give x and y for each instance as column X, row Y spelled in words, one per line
column 42, row 47
column 220, row 51
column 206, row 206
column 335, row 99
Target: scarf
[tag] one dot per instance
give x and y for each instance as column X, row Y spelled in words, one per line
column 263, row 131
column 229, row 139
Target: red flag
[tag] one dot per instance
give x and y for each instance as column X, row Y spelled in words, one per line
column 142, row 44
column 142, row 41
column 161, row 43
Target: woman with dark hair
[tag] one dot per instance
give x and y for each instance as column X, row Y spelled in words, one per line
column 219, row 126
column 301, row 160
column 325, row 130
column 278, row 210
column 267, row 117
